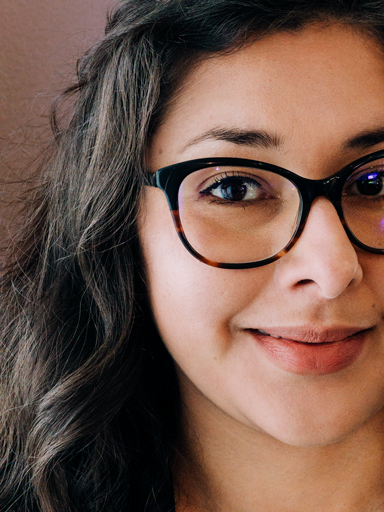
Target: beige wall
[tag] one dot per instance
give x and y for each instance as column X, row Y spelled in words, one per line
column 40, row 41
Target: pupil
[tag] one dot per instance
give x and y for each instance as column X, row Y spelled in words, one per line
column 370, row 185
column 235, row 191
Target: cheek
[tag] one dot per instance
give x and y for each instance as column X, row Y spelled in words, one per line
column 191, row 301
column 373, row 272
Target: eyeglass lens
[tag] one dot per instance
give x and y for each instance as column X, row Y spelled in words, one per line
column 363, row 203
column 240, row 214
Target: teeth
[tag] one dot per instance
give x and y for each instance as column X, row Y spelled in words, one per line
column 267, row 334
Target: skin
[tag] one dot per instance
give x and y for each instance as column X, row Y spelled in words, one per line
column 257, row 437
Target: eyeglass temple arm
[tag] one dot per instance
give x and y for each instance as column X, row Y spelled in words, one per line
column 151, row 179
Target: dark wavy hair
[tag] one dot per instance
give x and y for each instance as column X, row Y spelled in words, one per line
column 89, row 397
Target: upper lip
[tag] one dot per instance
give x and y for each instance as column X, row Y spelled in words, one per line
column 311, row 334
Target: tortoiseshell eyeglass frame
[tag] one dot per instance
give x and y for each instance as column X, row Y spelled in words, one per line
column 169, row 179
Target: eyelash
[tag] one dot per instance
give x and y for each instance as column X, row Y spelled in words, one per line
column 220, row 181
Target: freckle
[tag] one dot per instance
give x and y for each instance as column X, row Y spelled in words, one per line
column 160, row 151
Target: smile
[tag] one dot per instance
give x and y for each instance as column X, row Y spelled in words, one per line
column 306, row 352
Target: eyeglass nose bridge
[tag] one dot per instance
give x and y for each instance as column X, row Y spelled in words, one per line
column 330, row 188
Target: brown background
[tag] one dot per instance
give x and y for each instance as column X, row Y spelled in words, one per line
column 40, row 41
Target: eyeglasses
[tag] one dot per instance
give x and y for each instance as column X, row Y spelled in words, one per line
column 239, row 213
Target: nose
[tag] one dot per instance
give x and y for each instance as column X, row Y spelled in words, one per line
column 323, row 257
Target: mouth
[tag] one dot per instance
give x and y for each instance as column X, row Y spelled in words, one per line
column 306, row 351
column 307, row 335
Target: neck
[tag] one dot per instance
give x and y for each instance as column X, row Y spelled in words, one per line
column 227, row 466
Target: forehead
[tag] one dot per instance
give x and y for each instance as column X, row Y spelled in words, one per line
column 307, row 88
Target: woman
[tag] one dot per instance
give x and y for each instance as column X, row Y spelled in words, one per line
column 234, row 363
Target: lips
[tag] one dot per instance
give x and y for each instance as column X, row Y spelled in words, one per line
column 306, row 351
column 305, row 335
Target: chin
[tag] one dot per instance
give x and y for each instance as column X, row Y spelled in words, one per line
column 310, row 439
column 306, row 434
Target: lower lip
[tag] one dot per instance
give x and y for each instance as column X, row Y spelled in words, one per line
column 312, row 358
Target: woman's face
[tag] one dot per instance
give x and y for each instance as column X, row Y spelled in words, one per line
column 315, row 92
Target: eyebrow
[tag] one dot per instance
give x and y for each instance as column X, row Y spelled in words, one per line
column 262, row 139
column 253, row 138
column 365, row 139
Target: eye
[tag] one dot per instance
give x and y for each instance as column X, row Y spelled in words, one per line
column 367, row 183
column 235, row 189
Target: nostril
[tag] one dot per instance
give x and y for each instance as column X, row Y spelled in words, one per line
column 305, row 281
